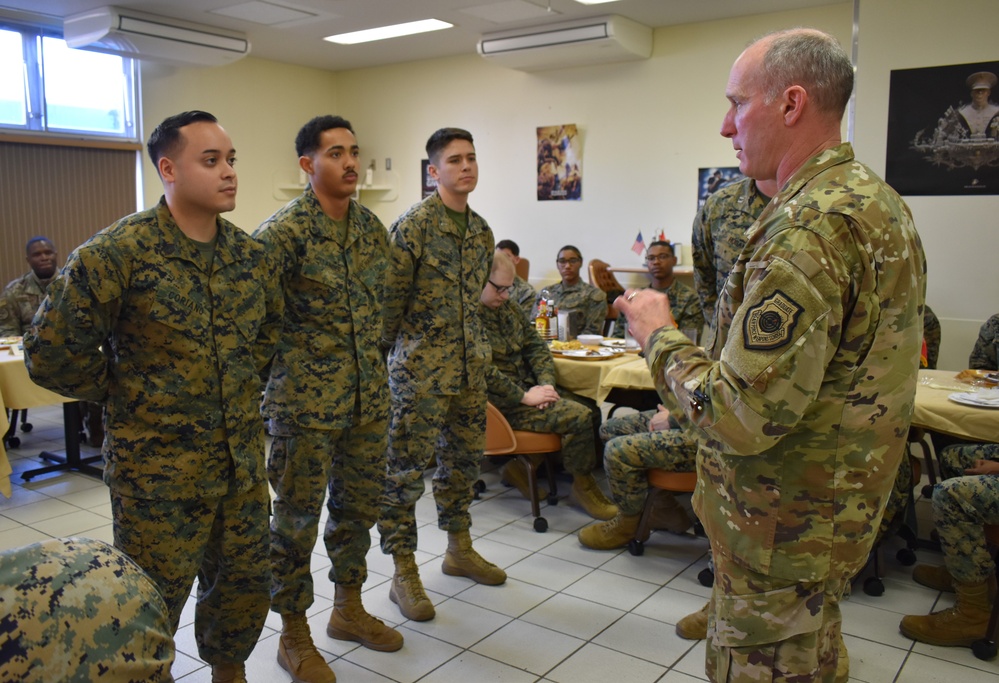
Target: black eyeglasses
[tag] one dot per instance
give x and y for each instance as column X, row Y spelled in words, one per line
column 500, row 289
column 569, row 261
column 658, row 257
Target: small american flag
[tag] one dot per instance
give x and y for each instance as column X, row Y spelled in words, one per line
column 639, row 246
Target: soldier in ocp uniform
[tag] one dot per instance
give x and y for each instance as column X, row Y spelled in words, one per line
column 22, row 297
column 168, row 316
column 574, row 294
column 804, row 400
column 327, row 396
column 440, row 255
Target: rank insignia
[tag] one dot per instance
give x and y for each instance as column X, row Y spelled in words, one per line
column 769, row 324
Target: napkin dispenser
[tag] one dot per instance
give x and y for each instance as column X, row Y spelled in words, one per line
column 569, row 324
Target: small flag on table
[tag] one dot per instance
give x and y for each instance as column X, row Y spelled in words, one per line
column 639, row 246
column 661, row 237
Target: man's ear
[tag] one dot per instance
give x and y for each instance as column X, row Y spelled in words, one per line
column 432, row 170
column 166, row 169
column 305, row 163
column 793, row 104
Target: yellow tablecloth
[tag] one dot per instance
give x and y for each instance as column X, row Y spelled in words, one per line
column 631, row 375
column 588, row 377
column 936, row 412
column 4, row 463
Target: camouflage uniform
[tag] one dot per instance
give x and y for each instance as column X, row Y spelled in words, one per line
column 961, row 505
column 805, row 413
column 75, row 609
column 629, row 456
column 18, row 303
column 327, row 397
column 931, row 335
column 583, row 297
column 524, row 295
column 985, row 355
column 683, row 302
column 136, row 319
column 437, row 364
column 718, row 237
column 521, row 360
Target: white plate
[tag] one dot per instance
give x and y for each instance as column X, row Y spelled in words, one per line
column 588, row 353
column 977, row 399
column 620, row 343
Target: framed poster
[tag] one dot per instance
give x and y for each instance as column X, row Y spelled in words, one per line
column 560, row 163
column 429, row 184
column 713, row 178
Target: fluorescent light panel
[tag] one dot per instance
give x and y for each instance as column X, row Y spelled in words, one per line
column 394, row 31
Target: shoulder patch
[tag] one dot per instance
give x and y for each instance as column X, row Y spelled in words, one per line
column 770, row 323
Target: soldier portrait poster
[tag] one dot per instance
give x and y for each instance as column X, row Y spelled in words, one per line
column 560, row 163
column 943, row 130
column 714, row 178
column 429, row 184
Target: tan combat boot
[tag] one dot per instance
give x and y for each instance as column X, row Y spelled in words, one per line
column 588, row 496
column 615, row 533
column 694, row 626
column 297, row 654
column 515, row 474
column 933, row 577
column 462, row 560
column 961, row 625
column 407, row 590
column 668, row 514
column 350, row 621
column 234, row 672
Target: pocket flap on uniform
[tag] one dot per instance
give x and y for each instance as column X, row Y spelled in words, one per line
column 768, row 617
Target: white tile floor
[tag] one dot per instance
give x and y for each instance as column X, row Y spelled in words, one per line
column 566, row 614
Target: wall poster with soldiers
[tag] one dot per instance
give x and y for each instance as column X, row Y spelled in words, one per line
column 427, row 181
column 714, row 178
column 560, row 163
column 943, row 130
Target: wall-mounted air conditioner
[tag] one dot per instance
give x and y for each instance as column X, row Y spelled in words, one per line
column 576, row 43
column 150, row 37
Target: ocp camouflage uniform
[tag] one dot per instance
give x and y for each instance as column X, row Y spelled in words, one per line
column 437, row 365
column 524, row 295
column 804, row 415
column 985, row 354
column 962, row 504
column 327, row 397
column 682, row 302
column 174, row 346
column 521, row 360
column 583, row 297
column 18, row 303
column 76, row 609
column 719, row 236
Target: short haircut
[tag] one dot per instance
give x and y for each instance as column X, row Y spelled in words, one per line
column 502, row 262
column 509, row 244
column 568, row 247
column 663, row 243
column 164, row 138
column 36, row 240
column 307, row 140
column 812, row 59
column 442, row 138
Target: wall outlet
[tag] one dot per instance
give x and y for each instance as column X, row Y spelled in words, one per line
column 388, row 163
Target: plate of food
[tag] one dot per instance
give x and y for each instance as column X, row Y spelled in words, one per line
column 587, row 354
column 625, row 344
column 978, row 399
column 9, row 342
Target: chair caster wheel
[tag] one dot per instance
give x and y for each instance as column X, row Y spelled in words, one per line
column 27, row 427
column 636, row 547
column 540, row 525
column 706, row 577
column 906, row 557
column 874, row 586
column 13, row 442
column 928, row 491
column 553, row 499
column 477, row 488
column 984, row 649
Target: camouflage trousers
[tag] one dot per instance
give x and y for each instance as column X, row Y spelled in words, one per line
column 632, row 450
column 78, row 610
column 303, row 465
column 451, row 429
column 762, row 628
column 961, row 505
column 221, row 541
column 898, row 500
column 568, row 417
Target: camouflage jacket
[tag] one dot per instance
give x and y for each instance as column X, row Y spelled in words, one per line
column 985, row 355
column 520, row 359
column 328, row 360
column 135, row 320
column 803, row 416
column 590, row 301
column 524, row 296
column 683, row 303
column 432, row 290
column 718, row 237
column 18, row 303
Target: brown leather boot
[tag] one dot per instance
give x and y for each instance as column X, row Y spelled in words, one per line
column 961, row 625
column 407, row 590
column 587, row 494
column 933, row 577
column 297, row 654
column 694, row 626
column 233, row 672
column 515, row 474
column 615, row 533
column 350, row 621
column 462, row 560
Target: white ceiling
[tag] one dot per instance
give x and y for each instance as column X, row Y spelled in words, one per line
column 294, row 29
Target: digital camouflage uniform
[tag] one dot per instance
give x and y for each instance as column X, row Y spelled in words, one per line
column 521, row 360
column 75, row 609
column 18, row 303
column 961, row 505
column 137, row 320
column 524, row 295
column 437, row 364
column 682, row 302
column 327, row 397
column 583, row 297
column 718, row 237
column 805, row 413
column 985, row 355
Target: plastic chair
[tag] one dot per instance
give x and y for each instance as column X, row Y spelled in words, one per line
column 900, row 526
column 602, row 278
column 532, row 449
column 10, row 438
column 523, row 268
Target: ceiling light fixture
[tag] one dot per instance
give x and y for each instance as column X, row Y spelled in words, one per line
column 593, row 2
column 383, row 32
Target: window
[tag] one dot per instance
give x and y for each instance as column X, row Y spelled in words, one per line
column 47, row 87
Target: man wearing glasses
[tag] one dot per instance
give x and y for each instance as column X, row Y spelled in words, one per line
column 660, row 260
column 572, row 294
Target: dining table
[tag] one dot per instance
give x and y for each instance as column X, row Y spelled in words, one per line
column 939, row 407
column 587, row 376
